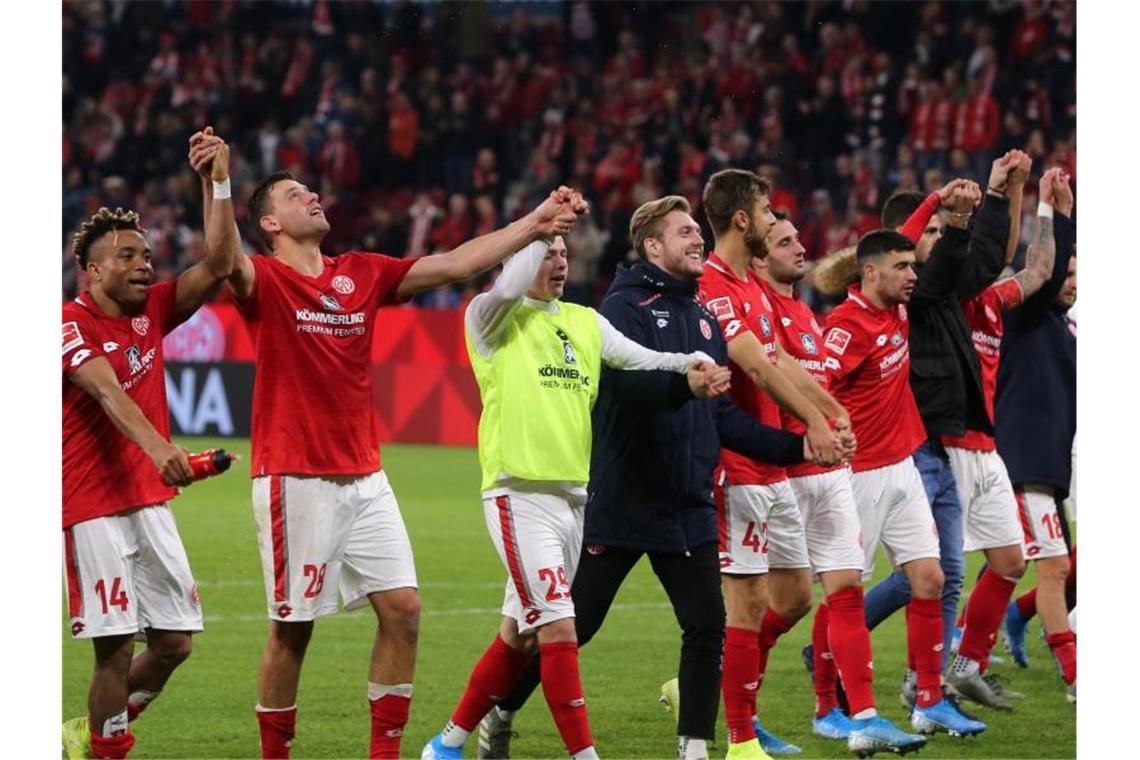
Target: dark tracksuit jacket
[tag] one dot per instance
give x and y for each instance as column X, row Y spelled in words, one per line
column 655, row 446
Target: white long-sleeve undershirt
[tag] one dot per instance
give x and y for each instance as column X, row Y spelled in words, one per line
column 488, row 313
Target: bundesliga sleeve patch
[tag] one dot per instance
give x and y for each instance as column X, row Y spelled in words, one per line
column 837, row 340
column 721, row 308
column 71, row 336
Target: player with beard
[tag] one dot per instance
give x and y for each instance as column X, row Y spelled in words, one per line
column 538, row 361
column 842, row 644
column 868, row 363
column 765, row 571
column 327, row 520
column 1038, row 371
column 655, row 449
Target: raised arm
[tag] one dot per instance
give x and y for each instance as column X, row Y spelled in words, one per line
column 554, row 216
column 747, row 352
column 97, row 378
column 989, row 235
column 487, row 314
column 202, row 280
column 1043, row 250
column 938, row 276
column 204, row 146
column 1015, row 191
column 1065, row 234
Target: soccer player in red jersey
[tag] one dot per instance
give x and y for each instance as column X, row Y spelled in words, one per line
column 868, row 364
column 841, row 642
column 993, row 519
column 765, row 571
column 327, row 519
column 126, row 568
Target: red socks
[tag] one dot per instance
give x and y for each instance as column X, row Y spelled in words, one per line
column 771, row 629
column 563, row 690
column 114, row 746
column 851, row 647
column 1064, row 646
column 740, row 681
column 277, row 729
column 984, row 612
column 490, row 681
column 389, row 716
column 823, row 664
column 924, row 645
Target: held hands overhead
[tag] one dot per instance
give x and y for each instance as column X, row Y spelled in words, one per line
column 205, row 146
column 557, row 214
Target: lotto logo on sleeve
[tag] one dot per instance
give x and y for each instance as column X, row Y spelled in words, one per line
column 721, row 308
column 837, row 340
column 71, row 336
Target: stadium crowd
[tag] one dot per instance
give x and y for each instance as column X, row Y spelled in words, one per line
column 451, row 118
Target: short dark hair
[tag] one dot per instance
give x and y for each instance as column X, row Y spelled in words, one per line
column 103, row 221
column 260, row 205
column 878, row 242
column 899, row 207
column 729, row 191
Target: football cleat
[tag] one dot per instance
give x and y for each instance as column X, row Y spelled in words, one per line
column 749, row 750
column 1071, row 693
column 833, row 725
column 771, row 743
column 671, row 697
column 944, row 717
column 436, row 750
column 976, row 689
column 908, row 693
column 997, row 683
column 77, row 738
column 878, row 734
column 1013, row 631
column 495, row 736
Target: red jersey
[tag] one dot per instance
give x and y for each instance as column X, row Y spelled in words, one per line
column 104, row 472
column 984, row 317
column 312, row 392
column 802, row 338
column 740, row 304
column 868, row 368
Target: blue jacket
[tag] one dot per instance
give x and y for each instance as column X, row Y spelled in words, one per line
column 655, row 445
column 1035, row 409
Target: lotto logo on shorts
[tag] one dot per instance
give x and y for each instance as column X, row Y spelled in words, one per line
column 531, row 616
column 197, row 600
column 77, row 627
column 284, row 611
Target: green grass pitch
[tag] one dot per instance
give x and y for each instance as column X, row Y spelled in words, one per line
column 207, row 709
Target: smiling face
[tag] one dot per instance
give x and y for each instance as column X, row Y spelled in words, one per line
column 550, row 281
column 119, row 266
column 294, row 212
column 679, row 248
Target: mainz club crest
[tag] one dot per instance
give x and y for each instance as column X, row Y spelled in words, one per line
column 343, row 284
column 141, row 325
column 706, row 329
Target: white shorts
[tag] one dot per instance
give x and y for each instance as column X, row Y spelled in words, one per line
column 1040, row 523
column 760, row 529
column 538, row 535
column 320, row 535
column 989, row 509
column 894, row 511
column 128, row 572
column 831, row 520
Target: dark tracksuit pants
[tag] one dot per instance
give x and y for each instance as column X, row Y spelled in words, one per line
column 693, row 585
